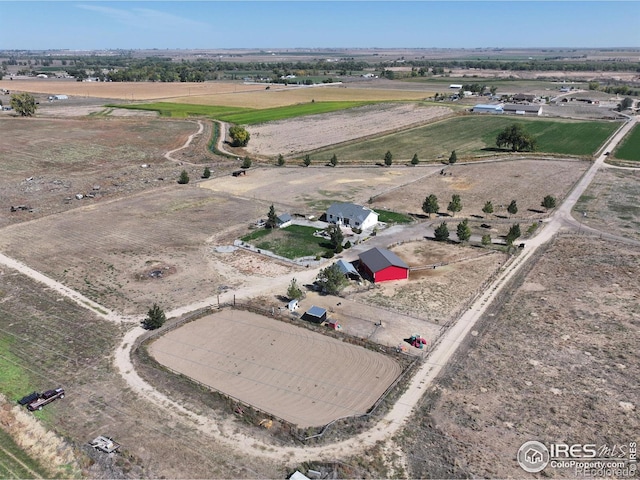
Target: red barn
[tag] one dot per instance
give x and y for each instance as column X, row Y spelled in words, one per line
column 383, row 265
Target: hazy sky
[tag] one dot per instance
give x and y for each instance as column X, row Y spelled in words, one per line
column 312, row 24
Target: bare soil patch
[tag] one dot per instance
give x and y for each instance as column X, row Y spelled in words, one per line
column 312, row 190
column 101, row 252
column 288, row 137
column 611, row 203
column 298, row 375
column 552, row 363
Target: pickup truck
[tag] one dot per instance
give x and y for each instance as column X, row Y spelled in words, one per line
column 45, row 398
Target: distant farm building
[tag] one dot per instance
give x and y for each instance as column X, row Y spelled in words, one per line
column 518, row 109
column 456, row 86
column 58, row 97
column 383, row 265
column 523, row 97
column 315, row 314
column 484, row 108
column 352, row 215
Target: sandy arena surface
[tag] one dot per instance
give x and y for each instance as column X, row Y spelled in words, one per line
column 293, row 373
column 287, row 137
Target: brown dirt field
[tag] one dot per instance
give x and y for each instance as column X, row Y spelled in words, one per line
column 291, row 95
column 437, row 295
column 612, row 203
column 312, row 190
column 287, row 137
column 295, row 374
column 525, row 180
column 556, row 361
column 58, row 158
column 131, row 91
column 107, row 250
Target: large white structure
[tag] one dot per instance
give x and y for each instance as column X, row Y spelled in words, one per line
column 486, row 108
column 352, row 215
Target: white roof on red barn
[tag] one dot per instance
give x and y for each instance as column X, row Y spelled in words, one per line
column 378, row 259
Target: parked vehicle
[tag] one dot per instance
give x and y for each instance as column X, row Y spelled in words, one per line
column 45, row 398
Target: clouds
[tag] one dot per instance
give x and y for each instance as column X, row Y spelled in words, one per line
column 146, row 18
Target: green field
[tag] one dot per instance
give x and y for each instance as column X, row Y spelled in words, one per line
column 291, row 242
column 473, row 136
column 15, row 463
column 242, row 116
column 630, row 148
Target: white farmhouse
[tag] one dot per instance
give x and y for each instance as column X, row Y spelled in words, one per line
column 352, row 215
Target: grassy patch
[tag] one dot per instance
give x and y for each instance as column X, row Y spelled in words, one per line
column 14, row 462
column 257, row 234
column 291, row 242
column 475, row 135
column 15, row 381
column 630, row 148
column 387, row 216
column 242, row 116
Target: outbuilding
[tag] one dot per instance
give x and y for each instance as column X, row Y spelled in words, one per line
column 518, row 109
column 315, row 314
column 383, row 265
column 486, row 108
column 347, row 269
column 351, row 215
column 284, row 220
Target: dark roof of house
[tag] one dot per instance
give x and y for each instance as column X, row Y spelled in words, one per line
column 524, row 108
column 285, row 217
column 378, row 259
column 316, row 311
column 349, row 210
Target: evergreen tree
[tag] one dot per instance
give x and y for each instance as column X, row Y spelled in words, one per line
column 307, row 160
column 488, row 208
column 453, row 158
column 294, row 292
column 155, row 318
column 442, row 232
column 184, row 178
column 464, row 231
column 549, row 202
column 414, row 160
column 455, row 205
column 334, row 160
column 272, row 218
column 430, row 205
column 206, row 173
column 280, row 160
column 512, row 208
column 388, row 158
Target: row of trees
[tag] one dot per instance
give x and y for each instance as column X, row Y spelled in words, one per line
column 431, row 205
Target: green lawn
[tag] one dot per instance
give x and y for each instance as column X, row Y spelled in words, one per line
column 387, row 216
column 630, row 148
column 242, row 116
column 474, row 135
column 291, row 242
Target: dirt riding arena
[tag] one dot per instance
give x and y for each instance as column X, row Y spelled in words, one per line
column 295, row 374
column 287, row 137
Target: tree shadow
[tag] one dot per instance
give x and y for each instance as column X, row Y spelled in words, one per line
column 502, row 216
column 476, row 216
column 535, row 211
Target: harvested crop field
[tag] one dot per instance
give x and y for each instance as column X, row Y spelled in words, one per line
column 612, row 203
column 525, row 180
column 288, row 137
column 557, row 361
column 131, row 91
column 295, row 374
column 129, row 253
